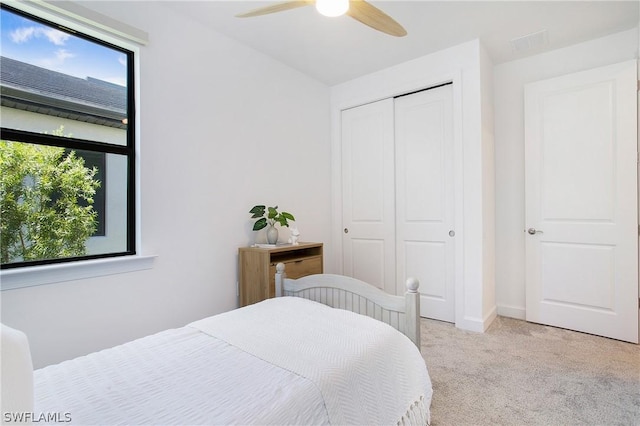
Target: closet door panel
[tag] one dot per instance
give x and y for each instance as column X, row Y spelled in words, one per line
column 425, row 197
column 368, row 194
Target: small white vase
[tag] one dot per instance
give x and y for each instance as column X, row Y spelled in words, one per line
column 272, row 234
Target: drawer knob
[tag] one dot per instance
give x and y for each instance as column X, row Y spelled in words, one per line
column 346, row 230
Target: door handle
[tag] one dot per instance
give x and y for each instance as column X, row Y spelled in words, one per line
column 533, row 231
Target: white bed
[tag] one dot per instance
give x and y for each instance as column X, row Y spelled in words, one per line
column 281, row 361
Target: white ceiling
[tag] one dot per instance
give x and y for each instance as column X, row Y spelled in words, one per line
column 334, row 50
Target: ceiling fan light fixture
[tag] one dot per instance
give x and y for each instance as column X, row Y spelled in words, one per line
column 360, row 10
column 332, row 8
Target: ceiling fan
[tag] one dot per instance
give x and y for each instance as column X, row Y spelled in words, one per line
column 359, row 10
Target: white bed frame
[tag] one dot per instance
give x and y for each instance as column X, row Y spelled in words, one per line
column 402, row 313
column 339, row 291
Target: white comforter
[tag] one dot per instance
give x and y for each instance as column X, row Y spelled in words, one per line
column 262, row 364
column 368, row 373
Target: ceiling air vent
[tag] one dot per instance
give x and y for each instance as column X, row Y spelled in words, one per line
column 529, row 41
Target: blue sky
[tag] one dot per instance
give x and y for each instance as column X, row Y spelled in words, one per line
column 31, row 42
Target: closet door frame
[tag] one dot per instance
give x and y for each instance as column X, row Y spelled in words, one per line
column 462, row 320
column 469, row 68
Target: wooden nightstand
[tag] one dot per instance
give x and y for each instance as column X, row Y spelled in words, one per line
column 257, row 268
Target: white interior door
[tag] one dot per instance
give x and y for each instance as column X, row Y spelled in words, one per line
column 425, row 198
column 581, row 202
column 368, row 194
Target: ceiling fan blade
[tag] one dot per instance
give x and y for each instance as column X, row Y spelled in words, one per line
column 370, row 15
column 279, row 7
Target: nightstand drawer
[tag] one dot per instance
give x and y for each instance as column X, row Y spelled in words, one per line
column 300, row 268
column 295, row 269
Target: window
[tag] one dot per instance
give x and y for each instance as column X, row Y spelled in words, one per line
column 67, row 148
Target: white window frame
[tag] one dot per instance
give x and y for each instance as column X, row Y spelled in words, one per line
column 76, row 17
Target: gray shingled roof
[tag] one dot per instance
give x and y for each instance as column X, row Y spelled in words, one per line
column 32, row 88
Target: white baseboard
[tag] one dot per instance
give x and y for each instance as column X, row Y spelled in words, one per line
column 516, row 312
column 488, row 319
column 477, row 324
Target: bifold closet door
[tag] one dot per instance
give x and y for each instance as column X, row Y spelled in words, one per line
column 425, row 235
column 368, row 215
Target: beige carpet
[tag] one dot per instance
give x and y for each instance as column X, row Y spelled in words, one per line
column 519, row 373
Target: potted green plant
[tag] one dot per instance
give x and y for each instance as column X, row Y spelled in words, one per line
column 270, row 216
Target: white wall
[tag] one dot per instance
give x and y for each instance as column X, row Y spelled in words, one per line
column 26, row 120
column 488, row 189
column 509, row 81
column 223, row 128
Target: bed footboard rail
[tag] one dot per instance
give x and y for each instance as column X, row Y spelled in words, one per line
column 342, row 292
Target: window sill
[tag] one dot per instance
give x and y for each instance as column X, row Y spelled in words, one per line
column 40, row 275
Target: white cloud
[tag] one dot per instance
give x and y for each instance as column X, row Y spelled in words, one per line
column 24, row 34
column 63, row 54
column 57, row 61
column 56, row 37
column 122, row 60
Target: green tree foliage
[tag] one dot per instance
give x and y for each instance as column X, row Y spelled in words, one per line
column 46, row 200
